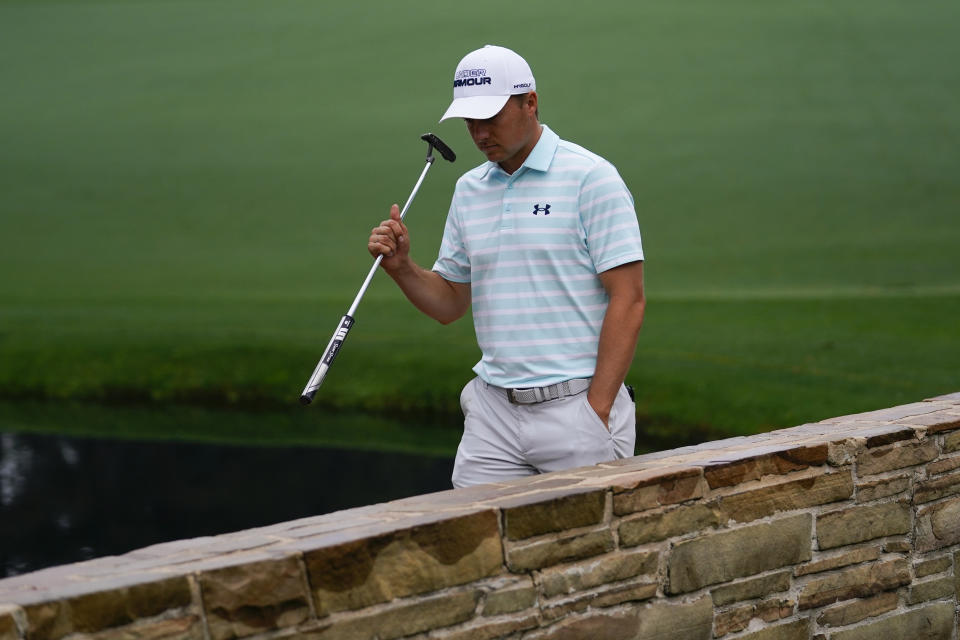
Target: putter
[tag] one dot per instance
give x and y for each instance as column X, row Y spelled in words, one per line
column 346, row 322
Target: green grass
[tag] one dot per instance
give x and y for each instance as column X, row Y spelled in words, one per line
column 186, row 190
column 277, row 427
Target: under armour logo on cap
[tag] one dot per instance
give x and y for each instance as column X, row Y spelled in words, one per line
column 545, row 209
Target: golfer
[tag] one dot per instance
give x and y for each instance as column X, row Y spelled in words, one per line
column 542, row 241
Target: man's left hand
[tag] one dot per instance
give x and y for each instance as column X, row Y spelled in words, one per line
column 602, row 409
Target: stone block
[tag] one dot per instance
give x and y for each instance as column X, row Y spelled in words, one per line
column 107, row 604
column 49, row 620
column 535, row 516
column 565, row 548
column 931, row 590
column 651, row 490
column 933, row 622
column 930, row 566
column 897, row 546
column 857, row 582
column 796, row 630
column 738, row 618
column 9, row 627
column 727, row 555
column 602, row 570
column 662, row 621
column 681, row 487
column 510, row 493
column 887, row 434
column 403, row 618
column 606, row 596
column 635, row 500
column 936, row 488
column 842, row 453
column 951, row 442
column 882, row 487
column 937, row 525
column 893, row 414
column 251, row 598
column 182, row 628
column 944, row 420
column 862, row 523
column 610, row 625
column 956, row 574
column 863, row 554
column 895, row 456
column 733, row 620
column 943, row 465
column 847, row 613
column 788, row 495
column 751, row 588
column 488, row 628
column 510, row 599
column 677, row 521
column 741, row 467
column 659, row 620
column 404, row 562
column 869, row 433
column 775, row 609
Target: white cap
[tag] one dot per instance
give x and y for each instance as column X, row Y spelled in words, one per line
column 484, row 81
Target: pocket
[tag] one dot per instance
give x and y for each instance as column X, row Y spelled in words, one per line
column 595, row 442
column 592, row 417
column 624, row 425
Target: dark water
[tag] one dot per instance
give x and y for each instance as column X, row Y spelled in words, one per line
column 68, row 499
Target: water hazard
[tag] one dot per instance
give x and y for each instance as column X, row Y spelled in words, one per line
column 66, row 499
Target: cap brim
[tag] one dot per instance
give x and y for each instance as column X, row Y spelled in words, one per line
column 475, row 107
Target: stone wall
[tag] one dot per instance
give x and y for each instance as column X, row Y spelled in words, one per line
column 847, row 529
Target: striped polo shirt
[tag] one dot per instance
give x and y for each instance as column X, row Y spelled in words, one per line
column 531, row 245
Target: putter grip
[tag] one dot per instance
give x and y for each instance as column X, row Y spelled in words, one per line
column 333, row 348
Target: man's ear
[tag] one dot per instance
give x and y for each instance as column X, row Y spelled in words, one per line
column 531, row 103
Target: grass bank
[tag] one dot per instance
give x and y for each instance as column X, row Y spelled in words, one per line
column 707, row 366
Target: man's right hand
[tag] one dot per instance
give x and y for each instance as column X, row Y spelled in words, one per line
column 391, row 240
column 440, row 299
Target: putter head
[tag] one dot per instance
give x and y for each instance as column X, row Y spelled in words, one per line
column 439, row 145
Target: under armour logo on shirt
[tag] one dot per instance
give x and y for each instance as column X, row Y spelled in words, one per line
column 545, row 209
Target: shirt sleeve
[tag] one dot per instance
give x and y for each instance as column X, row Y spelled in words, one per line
column 609, row 219
column 453, row 263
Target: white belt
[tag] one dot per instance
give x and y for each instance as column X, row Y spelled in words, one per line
column 533, row 395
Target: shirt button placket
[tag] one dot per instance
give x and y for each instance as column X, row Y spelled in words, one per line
column 507, row 207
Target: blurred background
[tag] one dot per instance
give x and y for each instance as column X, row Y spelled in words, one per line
column 186, row 190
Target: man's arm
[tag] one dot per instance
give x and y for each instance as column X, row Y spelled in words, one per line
column 441, row 299
column 618, row 334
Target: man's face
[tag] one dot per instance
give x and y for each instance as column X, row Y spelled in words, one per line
column 508, row 137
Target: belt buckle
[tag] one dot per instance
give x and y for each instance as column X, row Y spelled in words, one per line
column 511, row 396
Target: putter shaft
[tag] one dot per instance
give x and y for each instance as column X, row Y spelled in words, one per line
column 376, row 263
column 347, row 321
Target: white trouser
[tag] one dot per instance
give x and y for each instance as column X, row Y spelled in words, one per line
column 502, row 440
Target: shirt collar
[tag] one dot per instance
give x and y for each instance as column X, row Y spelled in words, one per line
column 540, row 156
